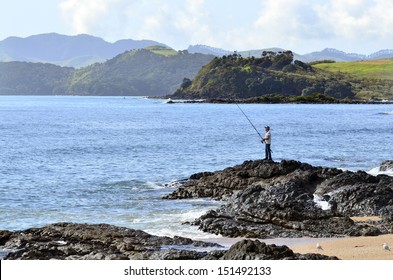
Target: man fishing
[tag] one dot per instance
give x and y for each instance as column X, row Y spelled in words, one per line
column 268, row 141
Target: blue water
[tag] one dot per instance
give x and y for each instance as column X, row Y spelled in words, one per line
column 111, row 159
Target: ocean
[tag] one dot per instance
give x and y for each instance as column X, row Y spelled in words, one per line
column 112, row 159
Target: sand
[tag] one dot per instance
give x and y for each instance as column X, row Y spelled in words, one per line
column 347, row 248
column 351, row 248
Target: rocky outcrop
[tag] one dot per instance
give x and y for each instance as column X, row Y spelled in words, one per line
column 68, row 241
column 101, row 241
column 291, row 199
column 386, row 165
column 256, row 250
column 222, row 184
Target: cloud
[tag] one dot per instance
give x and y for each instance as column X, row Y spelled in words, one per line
column 83, row 15
column 300, row 25
column 306, row 24
column 357, row 19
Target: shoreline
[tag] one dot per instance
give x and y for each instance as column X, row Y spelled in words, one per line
column 174, row 100
column 344, row 248
column 227, row 242
column 351, row 248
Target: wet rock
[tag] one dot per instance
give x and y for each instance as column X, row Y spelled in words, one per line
column 4, row 236
column 276, row 211
column 256, row 250
column 68, row 241
column 93, row 242
column 268, row 199
column 386, row 165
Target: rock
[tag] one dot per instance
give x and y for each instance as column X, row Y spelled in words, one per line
column 68, row 241
column 279, row 211
column 268, row 199
column 84, row 241
column 386, row 214
column 256, row 250
column 222, row 184
column 386, row 165
column 4, row 236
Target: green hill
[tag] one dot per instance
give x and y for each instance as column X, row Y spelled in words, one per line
column 26, row 78
column 155, row 71
column 275, row 77
column 375, row 69
column 274, row 74
column 373, row 78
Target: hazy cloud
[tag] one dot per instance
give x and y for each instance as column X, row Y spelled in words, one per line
column 292, row 24
column 83, row 15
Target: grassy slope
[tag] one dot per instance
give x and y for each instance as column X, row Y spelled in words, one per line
column 161, row 50
column 371, row 69
column 374, row 76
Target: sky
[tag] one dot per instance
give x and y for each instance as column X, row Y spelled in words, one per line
column 358, row 26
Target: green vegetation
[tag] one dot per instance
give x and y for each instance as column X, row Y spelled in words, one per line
column 275, row 77
column 22, row 78
column 153, row 71
column 370, row 69
column 371, row 78
column 162, row 50
column 158, row 71
column 274, row 74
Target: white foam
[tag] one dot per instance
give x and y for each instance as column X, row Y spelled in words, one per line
column 153, row 185
column 376, row 171
column 323, row 204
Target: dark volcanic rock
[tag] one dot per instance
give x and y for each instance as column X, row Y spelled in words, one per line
column 256, row 250
column 102, row 241
column 222, row 184
column 67, row 241
column 267, row 199
column 282, row 210
column 386, row 165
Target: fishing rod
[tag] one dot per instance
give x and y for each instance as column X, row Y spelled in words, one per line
column 250, row 122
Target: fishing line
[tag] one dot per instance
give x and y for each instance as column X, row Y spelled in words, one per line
column 250, row 122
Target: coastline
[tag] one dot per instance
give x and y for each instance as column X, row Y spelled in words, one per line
column 271, row 100
column 345, row 248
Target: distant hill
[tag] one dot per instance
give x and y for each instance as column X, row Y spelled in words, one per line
column 83, row 50
column 74, row 51
column 381, row 69
column 207, row 50
column 27, row 78
column 154, row 71
column 277, row 77
column 236, row 77
column 340, row 56
column 326, row 54
column 374, row 77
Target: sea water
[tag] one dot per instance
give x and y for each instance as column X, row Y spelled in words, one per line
column 112, row 159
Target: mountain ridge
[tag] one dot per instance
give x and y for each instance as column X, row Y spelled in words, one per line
column 325, row 54
column 83, row 50
column 63, row 50
column 143, row 72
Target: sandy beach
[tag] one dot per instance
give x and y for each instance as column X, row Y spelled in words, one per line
column 351, row 248
column 346, row 248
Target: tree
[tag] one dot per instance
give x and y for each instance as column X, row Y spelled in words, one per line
column 186, row 83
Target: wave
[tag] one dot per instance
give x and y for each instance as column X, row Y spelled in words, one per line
column 386, row 113
column 344, row 159
column 376, row 171
column 320, row 202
